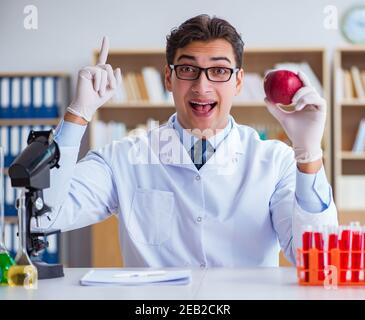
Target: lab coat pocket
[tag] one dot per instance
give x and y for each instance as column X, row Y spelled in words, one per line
column 150, row 218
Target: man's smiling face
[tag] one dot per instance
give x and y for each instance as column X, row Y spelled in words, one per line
column 203, row 104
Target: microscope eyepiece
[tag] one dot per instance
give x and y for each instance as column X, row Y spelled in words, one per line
column 31, row 168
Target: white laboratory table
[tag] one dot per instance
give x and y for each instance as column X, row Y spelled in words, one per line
column 215, row 283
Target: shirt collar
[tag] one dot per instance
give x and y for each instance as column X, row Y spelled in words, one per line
column 188, row 139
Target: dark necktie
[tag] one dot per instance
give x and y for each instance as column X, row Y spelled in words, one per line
column 201, row 151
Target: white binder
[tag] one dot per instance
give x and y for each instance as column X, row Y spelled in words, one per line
column 49, row 94
column 15, row 93
column 37, row 92
column 5, row 92
column 14, row 141
column 26, row 93
column 4, row 139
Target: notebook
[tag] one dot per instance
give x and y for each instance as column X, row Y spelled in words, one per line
column 121, row 277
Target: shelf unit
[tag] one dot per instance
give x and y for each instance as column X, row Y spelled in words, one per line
column 256, row 60
column 346, row 118
column 36, row 121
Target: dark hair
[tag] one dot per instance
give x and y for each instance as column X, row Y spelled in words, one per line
column 203, row 28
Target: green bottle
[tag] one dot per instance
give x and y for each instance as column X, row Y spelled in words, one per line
column 6, row 261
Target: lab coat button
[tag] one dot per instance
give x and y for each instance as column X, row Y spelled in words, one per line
column 199, row 219
column 197, row 178
column 202, row 265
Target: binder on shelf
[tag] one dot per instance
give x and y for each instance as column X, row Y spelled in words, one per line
column 26, row 97
column 15, row 97
column 32, row 97
column 4, row 98
column 4, row 140
column 37, row 97
column 14, row 141
column 61, row 95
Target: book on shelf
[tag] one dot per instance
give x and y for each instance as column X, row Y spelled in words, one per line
column 252, row 89
column 359, row 143
column 350, row 84
column 362, row 77
column 143, row 86
column 351, row 192
column 115, row 131
column 154, row 85
column 356, row 78
column 120, row 95
column 339, row 86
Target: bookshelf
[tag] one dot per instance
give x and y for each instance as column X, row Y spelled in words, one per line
column 133, row 112
column 349, row 109
column 28, row 100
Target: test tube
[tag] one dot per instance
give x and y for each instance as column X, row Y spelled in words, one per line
column 332, row 242
column 356, row 244
column 319, row 245
column 363, row 252
column 307, row 243
column 344, row 245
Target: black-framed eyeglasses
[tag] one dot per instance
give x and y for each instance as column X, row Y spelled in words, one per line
column 214, row 74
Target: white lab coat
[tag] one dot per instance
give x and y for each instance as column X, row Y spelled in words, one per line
column 237, row 210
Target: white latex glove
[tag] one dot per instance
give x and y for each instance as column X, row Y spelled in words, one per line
column 95, row 85
column 305, row 125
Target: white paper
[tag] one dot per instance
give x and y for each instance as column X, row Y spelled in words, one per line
column 112, row 277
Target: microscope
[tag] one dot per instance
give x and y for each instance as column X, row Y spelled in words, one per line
column 31, row 170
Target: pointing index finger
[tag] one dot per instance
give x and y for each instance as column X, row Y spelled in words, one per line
column 103, row 55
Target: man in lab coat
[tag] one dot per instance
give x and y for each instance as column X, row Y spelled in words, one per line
column 200, row 190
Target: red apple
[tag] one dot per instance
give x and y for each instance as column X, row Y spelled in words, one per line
column 281, row 85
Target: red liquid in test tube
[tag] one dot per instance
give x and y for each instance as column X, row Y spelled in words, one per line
column 344, row 244
column 363, row 251
column 355, row 252
column 307, row 238
column 318, row 243
column 332, row 244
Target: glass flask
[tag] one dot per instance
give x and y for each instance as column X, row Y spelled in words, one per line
column 24, row 273
column 6, row 261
